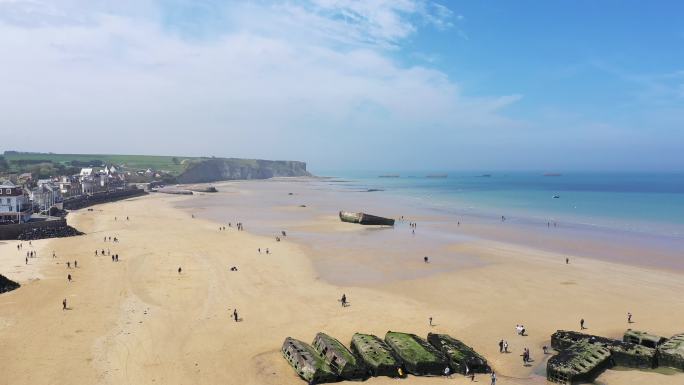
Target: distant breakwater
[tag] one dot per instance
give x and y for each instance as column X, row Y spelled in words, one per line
column 98, row 198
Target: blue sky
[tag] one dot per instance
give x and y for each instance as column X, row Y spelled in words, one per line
column 343, row 84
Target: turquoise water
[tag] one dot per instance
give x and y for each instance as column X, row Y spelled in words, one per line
column 644, row 202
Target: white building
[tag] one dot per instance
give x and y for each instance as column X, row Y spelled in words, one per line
column 14, row 204
column 47, row 196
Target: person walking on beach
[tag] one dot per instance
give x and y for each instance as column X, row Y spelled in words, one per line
column 27, row 260
column 567, row 260
column 64, row 303
column 75, row 264
column 344, row 300
column 582, row 324
column 68, row 265
column 235, row 315
column 69, row 277
column 629, row 317
column 505, row 346
column 425, row 259
column 179, row 270
column 430, row 321
column 501, row 346
column 493, row 377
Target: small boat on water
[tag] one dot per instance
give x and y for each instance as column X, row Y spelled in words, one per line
column 365, row 219
column 556, row 196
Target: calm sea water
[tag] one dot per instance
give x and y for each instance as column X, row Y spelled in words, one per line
column 652, row 203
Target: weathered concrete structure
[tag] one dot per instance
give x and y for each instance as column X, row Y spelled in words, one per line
column 7, row 284
column 377, row 356
column 308, row 364
column 625, row 354
column 643, row 338
column 580, row 362
column 419, row 357
column 460, row 355
column 672, row 352
column 341, row 360
column 365, row 219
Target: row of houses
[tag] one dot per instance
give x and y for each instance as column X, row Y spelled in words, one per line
column 18, row 201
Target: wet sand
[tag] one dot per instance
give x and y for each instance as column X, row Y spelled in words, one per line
column 139, row 321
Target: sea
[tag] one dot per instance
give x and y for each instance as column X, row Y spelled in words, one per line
column 649, row 203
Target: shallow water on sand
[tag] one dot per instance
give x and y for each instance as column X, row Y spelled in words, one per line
column 347, row 254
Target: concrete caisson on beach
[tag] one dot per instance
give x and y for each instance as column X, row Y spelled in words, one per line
column 643, row 338
column 460, row 355
column 622, row 353
column 580, row 362
column 419, row 357
column 671, row 352
column 376, row 355
column 340, row 359
column 308, row 364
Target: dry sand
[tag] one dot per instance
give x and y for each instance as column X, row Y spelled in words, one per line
column 140, row 322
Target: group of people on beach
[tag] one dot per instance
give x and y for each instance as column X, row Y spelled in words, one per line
column 238, row 226
column 503, row 346
column 520, row 330
column 115, row 240
column 267, row 250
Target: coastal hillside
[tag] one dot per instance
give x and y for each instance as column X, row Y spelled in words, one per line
column 235, row 169
column 143, row 168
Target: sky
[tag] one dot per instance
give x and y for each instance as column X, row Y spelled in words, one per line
column 350, row 85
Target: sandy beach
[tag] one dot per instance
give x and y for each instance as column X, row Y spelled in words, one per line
column 140, row 321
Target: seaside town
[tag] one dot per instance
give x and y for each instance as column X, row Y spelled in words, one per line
column 37, row 206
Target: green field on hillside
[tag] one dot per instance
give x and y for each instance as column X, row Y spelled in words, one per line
column 19, row 161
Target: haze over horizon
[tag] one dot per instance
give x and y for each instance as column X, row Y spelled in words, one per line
column 343, row 84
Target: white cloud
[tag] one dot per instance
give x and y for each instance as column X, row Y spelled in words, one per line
column 276, row 81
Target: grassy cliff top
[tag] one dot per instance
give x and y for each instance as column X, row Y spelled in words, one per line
column 19, row 161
